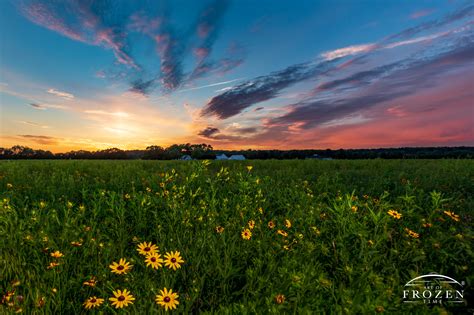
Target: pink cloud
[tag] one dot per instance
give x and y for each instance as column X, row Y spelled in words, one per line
column 348, row 51
column 40, row 14
column 84, row 27
column 421, row 13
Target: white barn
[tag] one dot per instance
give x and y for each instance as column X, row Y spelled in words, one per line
column 186, row 157
column 222, row 157
column 237, row 157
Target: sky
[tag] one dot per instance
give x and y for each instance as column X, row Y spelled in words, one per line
column 268, row 74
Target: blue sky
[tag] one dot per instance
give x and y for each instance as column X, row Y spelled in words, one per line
column 236, row 74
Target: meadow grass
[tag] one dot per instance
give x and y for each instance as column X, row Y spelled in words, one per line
column 334, row 248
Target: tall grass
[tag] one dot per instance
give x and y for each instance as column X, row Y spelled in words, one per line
column 342, row 254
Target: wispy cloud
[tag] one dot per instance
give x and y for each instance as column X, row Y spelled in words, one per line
column 421, row 13
column 208, row 132
column 82, row 21
column 29, row 123
column 40, row 139
column 46, row 106
column 233, row 101
column 207, row 30
column 65, row 95
column 462, row 13
column 244, row 95
column 212, row 133
column 211, row 85
column 348, row 51
column 415, row 76
column 102, row 112
column 112, row 25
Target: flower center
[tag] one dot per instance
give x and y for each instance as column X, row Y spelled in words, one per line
column 173, row 260
column 153, row 259
column 147, row 249
column 167, row 299
column 121, row 298
column 93, row 300
column 120, row 267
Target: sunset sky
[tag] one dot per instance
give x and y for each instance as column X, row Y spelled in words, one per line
column 83, row 74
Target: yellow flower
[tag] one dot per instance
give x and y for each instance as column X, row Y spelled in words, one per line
column 452, row 215
column 91, row 282
column 249, row 167
column 411, row 233
column 7, row 297
column 148, row 189
column 279, row 299
column 354, row 209
column 121, row 298
column 9, row 185
column 154, row 260
column 219, row 229
column 147, row 248
column 167, row 299
column 282, row 233
column 173, row 260
column 93, row 302
column 54, row 290
column 52, row 265
column 246, row 234
column 42, row 204
column 127, row 196
column 288, row 223
column 122, row 267
column 251, row 224
column 394, row 214
column 271, row 224
column 57, row 254
column 370, row 242
column 76, row 244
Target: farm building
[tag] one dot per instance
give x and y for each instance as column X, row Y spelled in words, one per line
column 186, row 157
column 318, row 157
column 237, row 157
column 222, row 157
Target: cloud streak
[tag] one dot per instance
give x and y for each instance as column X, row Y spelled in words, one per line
column 47, row 140
column 84, row 21
column 244, row 95
column 234, row 101
column 29, row 123
column 64, row 95
column 210, row 85
column 464, row 12
column 111, row 24
column 414, row 77
column 421, row 13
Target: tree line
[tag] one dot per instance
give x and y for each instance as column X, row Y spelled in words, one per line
column 206, row 151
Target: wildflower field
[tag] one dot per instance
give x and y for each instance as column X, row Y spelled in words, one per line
column 243, row 237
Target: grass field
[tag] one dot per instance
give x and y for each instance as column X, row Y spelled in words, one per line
column 334, row 247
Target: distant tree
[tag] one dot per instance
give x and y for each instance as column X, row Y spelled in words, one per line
column 154, row 152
